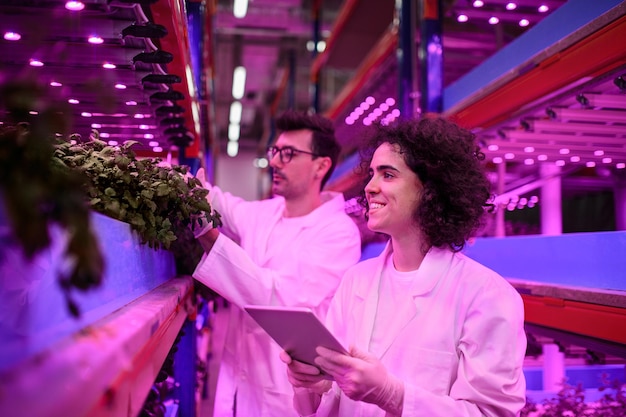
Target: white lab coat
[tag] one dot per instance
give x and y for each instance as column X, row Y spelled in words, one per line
column 458, row 343
column 304, row 271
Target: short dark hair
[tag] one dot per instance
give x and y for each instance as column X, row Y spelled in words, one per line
column 447, row 161
column 323, row 143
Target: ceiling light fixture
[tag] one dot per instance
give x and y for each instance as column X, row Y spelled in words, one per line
column 74, row 6
column 12, row 36
column 236, row 109
column 35, row 63
column 232, row 149
column 240, row 8
column 239, row 82
column 233, row 132
column 95, row 40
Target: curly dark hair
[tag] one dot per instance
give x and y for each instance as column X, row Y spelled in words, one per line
column 447, row 161
column 324, row 142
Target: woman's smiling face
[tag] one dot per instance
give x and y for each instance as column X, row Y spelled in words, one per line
column 393, row 192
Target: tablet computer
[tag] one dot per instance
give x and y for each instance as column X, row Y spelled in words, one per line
column 296, row 329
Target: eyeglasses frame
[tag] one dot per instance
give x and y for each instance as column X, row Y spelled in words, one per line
column 273, row 150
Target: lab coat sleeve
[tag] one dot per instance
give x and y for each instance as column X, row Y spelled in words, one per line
column 230, row 207
column 489, row 380
column 308, row 280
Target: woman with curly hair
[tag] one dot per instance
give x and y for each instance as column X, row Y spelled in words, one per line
column 430, row 332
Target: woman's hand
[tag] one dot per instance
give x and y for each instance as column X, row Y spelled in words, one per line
column 362, row 377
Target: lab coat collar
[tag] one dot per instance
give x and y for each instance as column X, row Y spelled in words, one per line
column 332, row 202
column 434, row 266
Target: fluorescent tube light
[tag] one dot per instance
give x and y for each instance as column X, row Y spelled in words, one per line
column 240, row 8
column 233, row 132
column 239, row 82
column 235, row 112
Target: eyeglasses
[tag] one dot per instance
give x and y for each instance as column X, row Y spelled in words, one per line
column 286, row 153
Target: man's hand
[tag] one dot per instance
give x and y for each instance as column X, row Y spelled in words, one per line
column 201, row 225
column 362, row 377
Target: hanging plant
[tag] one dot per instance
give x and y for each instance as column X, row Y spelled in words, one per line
column 36, row 195
column 47, row 180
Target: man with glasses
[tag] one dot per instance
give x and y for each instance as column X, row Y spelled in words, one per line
column 291, row 250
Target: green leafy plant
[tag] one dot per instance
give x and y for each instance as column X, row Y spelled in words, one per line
column 163, row 204
column 570, row 402
column 152, row 198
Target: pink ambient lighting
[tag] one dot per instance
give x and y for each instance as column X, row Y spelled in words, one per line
column 55, row 84
column 35, row 63
column 96, row 126
column 74, row 6
column 131, row 103
column 620, row 165
column 108, row 65
column 120, row 86
column 96, row 40
column 73, row 101
column 12, row 36
column 153, row 143
column 86, row 114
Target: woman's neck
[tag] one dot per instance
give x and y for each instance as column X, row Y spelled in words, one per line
column 408, row 252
